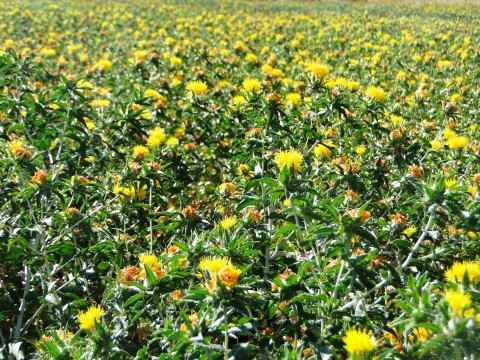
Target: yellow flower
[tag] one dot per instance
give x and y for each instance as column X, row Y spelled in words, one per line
column 409, row 231
column 251, row 85
column 140, row 54
column 228, row 222
column 104, row 64
column 243, row 168
column 226, row 188
column 397, row 119
column 458, row 271
column 252, row 58
column 457, row 142
column 229, row 276
column 318, row 69
column 140, row 152
column 436, row 144
column 458, row 301
column 448, row 134
column 156, row 137
column 294, row 99
column 175, row 61
column 471, row 235
column 149, row 260
column 444, row 63
column 16, row 147
column 153, row 263
column 239, row 99
column 353, row 85
column 221, row 268
column 376, row 93
column 48, row 52
column 139, row 192
column 421, row 334
column 276, row 73
column 172, row 141
column 153, row 94
column 360, row 150
column 197, row 87
column 100, row 103
column 89, row 123
column 417, row 58
column 358, row 342
column 88, row 318
column 455, row 97
column 291, row 158
column 213, row 264
column 324, row 151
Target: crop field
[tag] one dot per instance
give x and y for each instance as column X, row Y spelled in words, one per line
column 239, row 180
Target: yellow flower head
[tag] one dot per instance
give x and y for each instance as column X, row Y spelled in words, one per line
column 153, row 263
column 213, row 264
column 358, row 342
column 100, row 103
column 436, row 144
column 318, row 69
column 140, row 152
column 48, row 52
column 251, row 57
column 228, row 222
column 376, row 93
column 156, row 137
column 149, row 260
column 104, row 64
column 324, row 151
column 172, row 141
column 175, row 61
column 294, row 99
column 229, row 276
column 360, row 150
column 139, row 192
column 227, row 188
column 197, row 87
column 239, row 99
column 458, row 271
column 457, row 142
column 153, row 94
column 251, row 85
column 410, row 231
column 88, row 318
column 448, row 133
column 421, row 334
column 458, row 301
column 291, row 158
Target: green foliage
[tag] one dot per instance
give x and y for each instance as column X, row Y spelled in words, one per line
column 234, row 222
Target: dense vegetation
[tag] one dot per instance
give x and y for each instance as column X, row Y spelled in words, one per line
column 213, row 179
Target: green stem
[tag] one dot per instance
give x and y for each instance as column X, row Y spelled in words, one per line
column 225, row 344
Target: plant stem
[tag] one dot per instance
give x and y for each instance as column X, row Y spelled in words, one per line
column 225, row 344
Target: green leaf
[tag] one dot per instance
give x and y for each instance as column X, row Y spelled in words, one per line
column 305, row 298
column 132, row 299
column 151, row 278
column 333, row 212
column 429, row 344
column 246, row 203
column 253, row 183
column 284, row 230
column 14, row 253
column 135, row 284
column 52, row 348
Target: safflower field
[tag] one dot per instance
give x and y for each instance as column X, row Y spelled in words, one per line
column 239, row 180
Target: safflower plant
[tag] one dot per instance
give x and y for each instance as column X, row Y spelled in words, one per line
column 210, row 180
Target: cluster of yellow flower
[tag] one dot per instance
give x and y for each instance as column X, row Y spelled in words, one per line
column 219, row 268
